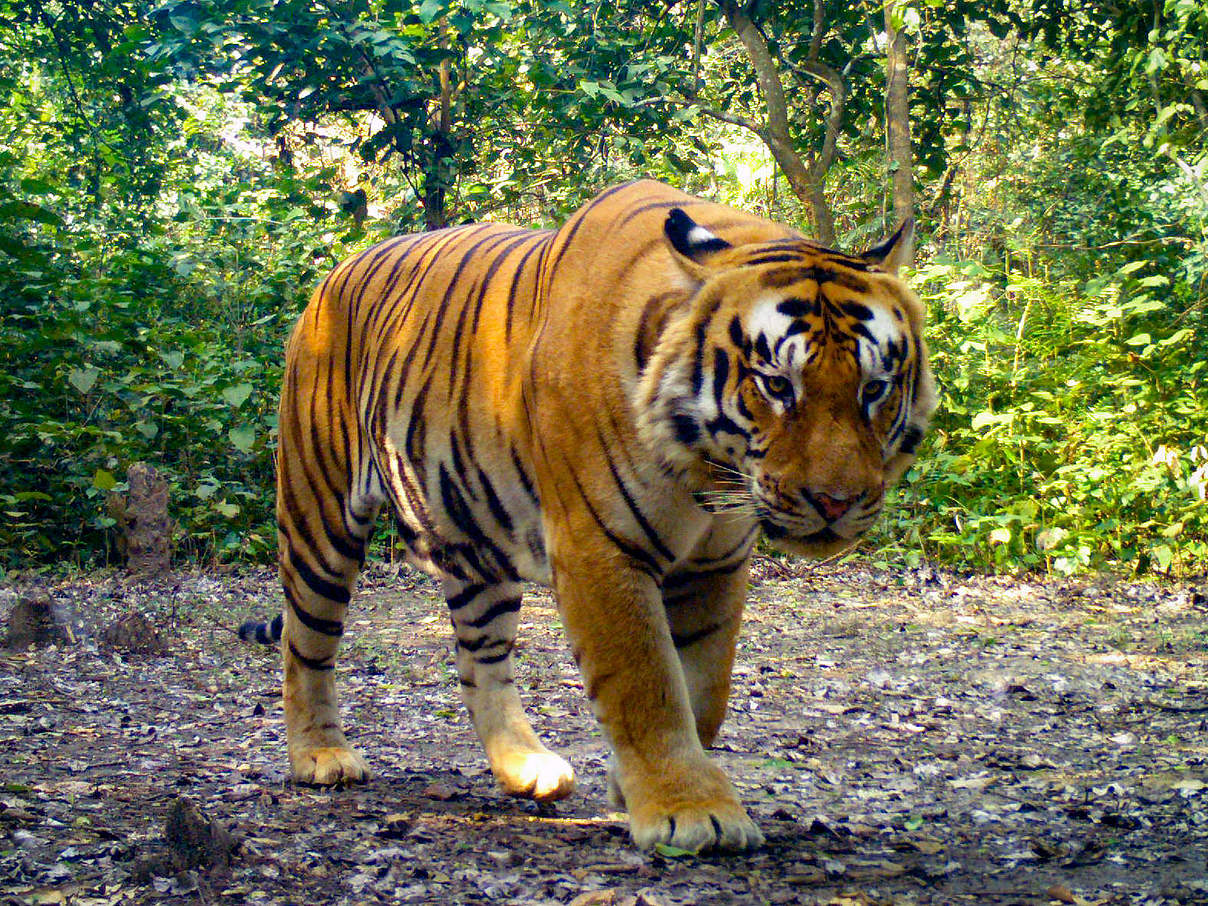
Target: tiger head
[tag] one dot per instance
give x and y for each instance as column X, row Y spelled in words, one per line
column 792, row 386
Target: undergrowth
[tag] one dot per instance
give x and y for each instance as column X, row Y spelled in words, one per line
column 1071, row 434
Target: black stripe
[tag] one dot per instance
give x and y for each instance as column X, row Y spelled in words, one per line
column 698, row 363
column 683, row 640
column 772, row 259
column 311, row 663
column 488, row 250
column 643, row 560
column 721, row 372
column 723, row 424
column 452, row 288
column 466, row 595
column 517, row 272
column 863, row 331
column 647, row 529
column 483, row 641
column 487, row 659
column 332, row 628
column 762, row 347
column 492, row 613
column 493, row 502
column 525, row 481
column 743, row 546
column 576, row 223
column 680, row 581
column 316, row 583
column 458, row 510
column 656, row 206
column 737, row 337
column 794, row 307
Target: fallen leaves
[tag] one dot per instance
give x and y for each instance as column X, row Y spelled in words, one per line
column 930, row 741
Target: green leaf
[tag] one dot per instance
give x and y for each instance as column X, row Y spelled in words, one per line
column 237, row 394
column 83, row 379
column 1141, row 339
column 243, row 437
column 430, row 10
column 229, row 510
column 103, row 480
column 985, row 419
column 672, row 852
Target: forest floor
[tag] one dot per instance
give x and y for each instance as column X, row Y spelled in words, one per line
column 900, row 738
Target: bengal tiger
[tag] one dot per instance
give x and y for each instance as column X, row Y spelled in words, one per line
column 618, row 408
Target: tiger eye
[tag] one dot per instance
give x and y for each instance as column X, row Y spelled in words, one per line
column 777, row 386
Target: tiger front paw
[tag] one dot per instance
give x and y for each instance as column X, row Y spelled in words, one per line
column 542, row 776
column 696, row 827
column 329, row 766
column 699, row 813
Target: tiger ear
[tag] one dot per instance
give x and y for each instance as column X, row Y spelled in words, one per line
column 694, row 245
column 895, row 251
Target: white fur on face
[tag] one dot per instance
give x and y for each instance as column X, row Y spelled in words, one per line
column 763, row 318
column 886, row 329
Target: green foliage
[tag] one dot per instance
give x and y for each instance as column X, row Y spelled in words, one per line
column 1072, row 434
column 146, row 334
column 174, row 177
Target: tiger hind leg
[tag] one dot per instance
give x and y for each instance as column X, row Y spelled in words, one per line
column 323, row 529
column 485, row 618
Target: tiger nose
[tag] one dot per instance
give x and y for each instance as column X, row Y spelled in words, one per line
column 831, row 508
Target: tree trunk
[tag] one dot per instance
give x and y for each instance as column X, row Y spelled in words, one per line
column 436, row 178
column 806, row 181
column 897, row 118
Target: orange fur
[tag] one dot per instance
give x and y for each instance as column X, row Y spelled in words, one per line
column 615, row 408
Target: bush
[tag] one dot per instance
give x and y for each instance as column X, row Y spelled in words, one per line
column 1071, row 434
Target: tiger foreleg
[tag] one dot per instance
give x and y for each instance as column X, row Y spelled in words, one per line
column 485, row 619
column 639, row 691
column 704, row 612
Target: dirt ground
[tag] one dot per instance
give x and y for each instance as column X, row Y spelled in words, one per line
column 900, row 738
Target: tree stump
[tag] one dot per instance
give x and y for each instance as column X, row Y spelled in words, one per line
column 142, row 516
column 191, row 841
column 134, row 634
column 33, row 622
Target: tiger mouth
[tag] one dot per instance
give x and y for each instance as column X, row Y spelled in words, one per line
column 775, row 532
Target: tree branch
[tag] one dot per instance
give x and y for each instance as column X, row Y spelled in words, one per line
column 804, row 180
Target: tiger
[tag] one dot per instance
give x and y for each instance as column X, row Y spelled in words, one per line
column 619, row 409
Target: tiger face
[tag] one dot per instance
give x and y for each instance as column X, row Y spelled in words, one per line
column 794, row 387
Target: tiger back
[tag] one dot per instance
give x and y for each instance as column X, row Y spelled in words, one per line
column 617, row 409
